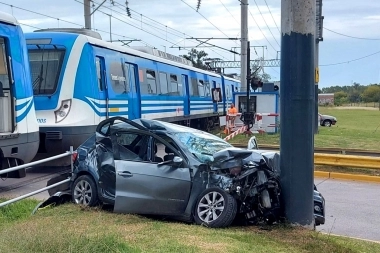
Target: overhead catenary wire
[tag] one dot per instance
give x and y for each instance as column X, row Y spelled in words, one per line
column 266, row 23
column 207, row 20
column 180, row 34
column 272, row 16
column 229, row 12
column 63, row 20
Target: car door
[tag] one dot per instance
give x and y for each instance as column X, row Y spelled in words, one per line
column 149, row 187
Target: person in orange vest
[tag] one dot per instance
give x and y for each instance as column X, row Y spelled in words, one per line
column 232, row 112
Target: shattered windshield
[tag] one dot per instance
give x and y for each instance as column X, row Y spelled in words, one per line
column 202, row 145
column 45, row 66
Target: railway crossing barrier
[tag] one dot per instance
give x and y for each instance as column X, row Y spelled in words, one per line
column 28, row 165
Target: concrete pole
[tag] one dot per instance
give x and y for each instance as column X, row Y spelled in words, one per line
column 244, row 40
column 87, row 14
column 297, row 110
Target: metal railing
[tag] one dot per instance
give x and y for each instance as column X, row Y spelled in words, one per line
column 347, row 161
column 28, row 165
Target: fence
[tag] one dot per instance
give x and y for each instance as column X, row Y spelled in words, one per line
column 28, row 165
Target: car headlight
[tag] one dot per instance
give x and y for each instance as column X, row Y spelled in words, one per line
column 63, row 111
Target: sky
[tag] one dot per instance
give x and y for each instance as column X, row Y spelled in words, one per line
column 349, row 52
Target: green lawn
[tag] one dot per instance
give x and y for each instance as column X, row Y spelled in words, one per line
column 70, row 228
column 356, row 128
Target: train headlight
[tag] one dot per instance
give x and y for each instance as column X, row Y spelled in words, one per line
column 63, row 111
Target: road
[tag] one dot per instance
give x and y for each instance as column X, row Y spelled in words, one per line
column 352, row 208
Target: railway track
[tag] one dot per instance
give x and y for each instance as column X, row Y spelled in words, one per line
column 334, row 151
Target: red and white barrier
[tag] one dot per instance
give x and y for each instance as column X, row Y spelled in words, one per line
column 239, row 131
column 261, row 126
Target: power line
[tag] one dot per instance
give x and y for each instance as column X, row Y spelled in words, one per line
column 180, row 36
column 357, row 59
column 229, row 12
column 349, row 35
column 272, row 16
column 206, row 19
column 261, row 31
column 266, row 23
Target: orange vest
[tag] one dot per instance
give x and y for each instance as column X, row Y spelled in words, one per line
column 232, row 111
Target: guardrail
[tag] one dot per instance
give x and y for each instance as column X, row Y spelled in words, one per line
column 347, row 161
column 338, row 151
column 28, row 165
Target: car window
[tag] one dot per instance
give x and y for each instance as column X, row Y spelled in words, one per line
column 202, row 145
column 163, row 152
column 132, row 146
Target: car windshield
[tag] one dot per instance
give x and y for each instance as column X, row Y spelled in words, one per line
column 202, row 145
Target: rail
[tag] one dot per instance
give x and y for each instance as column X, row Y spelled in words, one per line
column 28, row 165
column 338, row 151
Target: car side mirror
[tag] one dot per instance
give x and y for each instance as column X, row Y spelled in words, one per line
column 176, row 162
column 252, row 143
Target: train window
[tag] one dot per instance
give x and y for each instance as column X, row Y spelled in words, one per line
column 207, row 89
column 163, row 83
column 201, row 88
column 45, row 67
column 99, row 72
column 4, row 77
column 194, row 87
column 228, row 91
column 130, row 72
column 150, row 87
column 118, row 80
column 173, row 88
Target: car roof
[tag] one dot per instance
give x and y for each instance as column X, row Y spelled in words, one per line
column 156, row 125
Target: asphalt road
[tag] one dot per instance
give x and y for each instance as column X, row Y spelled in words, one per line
column 352, row 208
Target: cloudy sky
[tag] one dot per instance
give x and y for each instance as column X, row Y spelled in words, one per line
column 350, row 51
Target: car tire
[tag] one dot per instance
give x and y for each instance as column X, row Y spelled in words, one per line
column 215, row 208
column 84, row 191
column 327, row 123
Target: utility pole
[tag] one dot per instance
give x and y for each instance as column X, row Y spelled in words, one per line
column 297, row 102
column 244, row 40
column 319, row 38
column 87, row 14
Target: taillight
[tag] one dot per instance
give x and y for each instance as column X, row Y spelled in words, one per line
column 63, row 111
column 74, row 156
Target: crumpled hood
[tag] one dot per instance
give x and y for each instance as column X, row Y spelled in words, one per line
column 234, row 157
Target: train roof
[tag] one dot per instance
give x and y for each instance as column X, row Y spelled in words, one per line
column 135, row 52
column 105, row 44
column 7, row 18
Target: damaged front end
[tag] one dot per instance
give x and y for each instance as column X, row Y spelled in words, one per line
column 246, row 176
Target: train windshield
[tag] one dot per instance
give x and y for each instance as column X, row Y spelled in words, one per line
column 45, row 67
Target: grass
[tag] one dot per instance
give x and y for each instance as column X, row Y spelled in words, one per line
column 357, row 129
column 70, row 228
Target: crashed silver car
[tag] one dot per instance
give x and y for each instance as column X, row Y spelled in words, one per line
column 151, row 167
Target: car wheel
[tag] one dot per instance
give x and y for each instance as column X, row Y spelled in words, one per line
column 84, row 191
column 215, row 208
column 327, row 123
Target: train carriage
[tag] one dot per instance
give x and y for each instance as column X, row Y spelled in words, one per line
column 19, row 137
column 86, row 79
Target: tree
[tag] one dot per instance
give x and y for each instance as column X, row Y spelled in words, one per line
column 371, row 93
column 197, row 58
column 340, row 97
column 354, row 96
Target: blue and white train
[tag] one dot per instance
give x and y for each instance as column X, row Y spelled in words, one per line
column 79, row 80
column 19, row 138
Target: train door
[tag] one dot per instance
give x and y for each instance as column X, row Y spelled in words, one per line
column 132, row 81
column 186, row 95
column 216, row 104
column 103, row 99
column 6, row 94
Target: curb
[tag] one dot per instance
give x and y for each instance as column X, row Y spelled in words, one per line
column 350, row 237
column 345, row 176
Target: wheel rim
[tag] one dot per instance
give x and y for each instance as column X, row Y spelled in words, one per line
column 327, row 123
column 82, row 192
column 210, row 207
